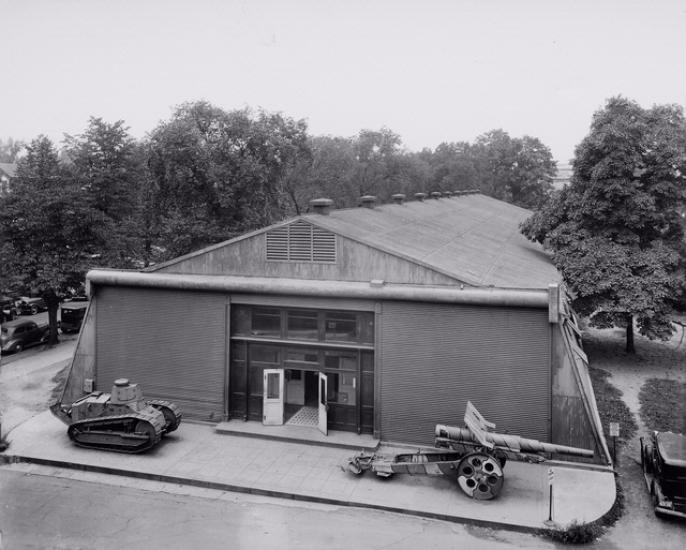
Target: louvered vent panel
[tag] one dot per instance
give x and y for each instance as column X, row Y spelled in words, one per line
column 277, row 244
column 301, row 242
column 323, row 245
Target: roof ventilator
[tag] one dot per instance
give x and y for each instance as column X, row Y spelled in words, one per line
column 436, row 195
column 420, row 196
column 398, row 198
column 368, row 201
column 321, row 206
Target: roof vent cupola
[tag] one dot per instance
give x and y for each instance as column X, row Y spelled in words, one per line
column 321, row 206
column 368, row 201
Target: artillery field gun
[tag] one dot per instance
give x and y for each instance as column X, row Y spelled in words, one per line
column 121, row 421
column 475, row 455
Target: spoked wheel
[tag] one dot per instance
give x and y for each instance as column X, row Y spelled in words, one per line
column 480, row 476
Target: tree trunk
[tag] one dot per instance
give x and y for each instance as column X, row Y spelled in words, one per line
column 630, row 334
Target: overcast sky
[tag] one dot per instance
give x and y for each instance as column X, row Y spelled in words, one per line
column 431, row 71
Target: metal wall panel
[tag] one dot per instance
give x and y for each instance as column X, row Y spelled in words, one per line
column 172, row 343
column 437, row 357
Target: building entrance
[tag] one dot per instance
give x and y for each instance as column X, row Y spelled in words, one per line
column 326, row 383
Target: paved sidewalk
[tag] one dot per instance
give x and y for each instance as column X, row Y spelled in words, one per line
column 197, row 455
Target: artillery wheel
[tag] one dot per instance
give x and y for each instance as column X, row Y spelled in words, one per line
column 353, row 468
column 480, row 476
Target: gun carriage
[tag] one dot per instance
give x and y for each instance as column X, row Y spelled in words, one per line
column 475, row 455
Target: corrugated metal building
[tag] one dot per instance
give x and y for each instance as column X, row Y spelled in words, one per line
column 380, row 319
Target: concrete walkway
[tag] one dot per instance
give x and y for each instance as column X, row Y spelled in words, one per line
column 196, row 454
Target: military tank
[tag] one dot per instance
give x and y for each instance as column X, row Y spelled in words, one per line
column 121, row 421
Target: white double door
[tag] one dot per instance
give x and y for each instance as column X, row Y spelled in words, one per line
column 273, row 399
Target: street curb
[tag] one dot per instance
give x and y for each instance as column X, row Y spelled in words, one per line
column 16, row 459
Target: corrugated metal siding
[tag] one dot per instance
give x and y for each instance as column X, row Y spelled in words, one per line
column 436, row 358
column 171, row 343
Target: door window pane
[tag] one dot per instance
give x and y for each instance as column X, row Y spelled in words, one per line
column 266, row 322
column 273, row 385
column 322, row 391
column 302, row 325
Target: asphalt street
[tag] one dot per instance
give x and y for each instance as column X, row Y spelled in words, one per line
column 44, row 511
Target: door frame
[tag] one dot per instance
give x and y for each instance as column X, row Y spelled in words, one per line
column 322, row 403
column 273, row 407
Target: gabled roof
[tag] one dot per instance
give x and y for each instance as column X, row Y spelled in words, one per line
column 472, row 238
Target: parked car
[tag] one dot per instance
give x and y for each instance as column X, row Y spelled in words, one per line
column 663, row 459
column 8, row 310
column 31, row 306
column 72, row 314
column 21, row 333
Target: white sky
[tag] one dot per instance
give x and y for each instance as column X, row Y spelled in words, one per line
column 431, row 71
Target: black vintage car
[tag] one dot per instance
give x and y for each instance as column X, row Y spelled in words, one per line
column 663, row 459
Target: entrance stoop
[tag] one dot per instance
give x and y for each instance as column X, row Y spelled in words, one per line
column 299, row 434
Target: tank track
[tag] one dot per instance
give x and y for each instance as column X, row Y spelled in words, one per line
column 171, row 412
column 127, row 433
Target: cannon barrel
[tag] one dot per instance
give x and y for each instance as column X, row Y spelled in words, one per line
column 509, row 442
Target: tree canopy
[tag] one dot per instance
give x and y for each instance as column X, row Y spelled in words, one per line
column 51, row 231
column 617, row 231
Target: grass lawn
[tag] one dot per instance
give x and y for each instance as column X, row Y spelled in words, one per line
column 662, row 405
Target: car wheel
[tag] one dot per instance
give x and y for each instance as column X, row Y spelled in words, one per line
column 34, row 310
column 647, row 459
column 18, row 348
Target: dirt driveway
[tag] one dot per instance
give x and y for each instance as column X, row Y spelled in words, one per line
column 26, row 381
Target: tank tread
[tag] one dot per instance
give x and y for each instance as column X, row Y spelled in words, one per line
column 127, row 433
column 171, row 411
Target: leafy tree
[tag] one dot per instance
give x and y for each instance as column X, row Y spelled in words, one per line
column 516, row 170
column 375, row 152
column 110, row 167
column 226, row 172
column 10, row 149
column 454, row 167
column 49, row 229
column 616, row 231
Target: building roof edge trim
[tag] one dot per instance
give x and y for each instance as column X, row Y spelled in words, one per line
column 332, row 289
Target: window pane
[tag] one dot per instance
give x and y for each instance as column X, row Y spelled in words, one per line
column 347, row 388
column 302, row 325
column 303, row 356
column 264, row 354
column 367, row 359
column 322, row 391
column 340, row 360
column 366, row 321
column 273, row 385
column 266, row 322
column 341, row 326
column 238, row 350
column 240, row 320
